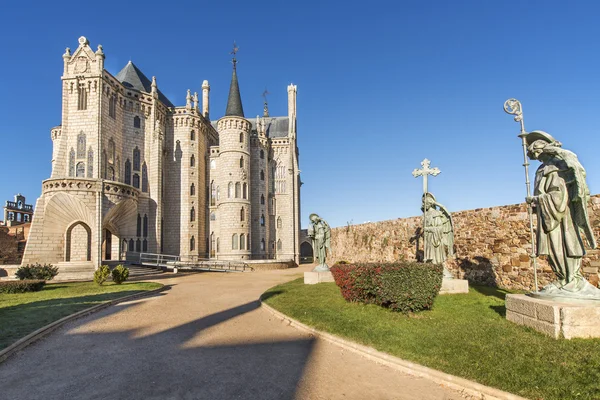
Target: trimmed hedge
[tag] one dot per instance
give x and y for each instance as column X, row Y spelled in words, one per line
column 37, row 271
column 101, row 274
column 401, row 286
column 120, row 274
column 27, row 285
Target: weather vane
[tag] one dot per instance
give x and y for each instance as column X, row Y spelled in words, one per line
column 234, row 52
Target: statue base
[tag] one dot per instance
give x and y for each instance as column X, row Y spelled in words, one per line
column 454, row 286
column 556, row 318
column 314, row 277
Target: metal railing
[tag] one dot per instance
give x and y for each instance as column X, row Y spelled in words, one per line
column 192, row 263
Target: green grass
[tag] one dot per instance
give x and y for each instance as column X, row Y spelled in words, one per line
column 465, row 335
column 24, row 313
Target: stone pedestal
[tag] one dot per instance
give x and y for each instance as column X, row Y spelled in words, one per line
column 313, row 277
column 453, row 286
column 568, row 319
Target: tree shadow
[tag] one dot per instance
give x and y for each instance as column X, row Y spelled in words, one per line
column 176, row 363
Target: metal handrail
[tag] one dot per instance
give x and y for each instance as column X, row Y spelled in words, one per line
column 193, row 262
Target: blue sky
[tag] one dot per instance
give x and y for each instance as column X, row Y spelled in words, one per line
column 381, row 86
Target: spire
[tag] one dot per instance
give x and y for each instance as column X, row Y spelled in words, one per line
column 234, row 102
column 266, row 107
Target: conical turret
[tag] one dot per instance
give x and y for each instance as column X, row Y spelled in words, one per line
column 234, row 102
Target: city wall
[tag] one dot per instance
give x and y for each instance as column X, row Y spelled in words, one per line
column 491, row 245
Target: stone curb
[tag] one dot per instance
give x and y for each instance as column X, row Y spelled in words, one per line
column 45, row 330
column 453, row 382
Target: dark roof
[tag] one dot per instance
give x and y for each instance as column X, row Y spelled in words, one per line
column 277, row 127
column 131, row 77
column 234, row 101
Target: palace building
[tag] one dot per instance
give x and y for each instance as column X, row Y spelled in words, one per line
column 133, row 173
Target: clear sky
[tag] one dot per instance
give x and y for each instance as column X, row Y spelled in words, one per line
column 381, row 86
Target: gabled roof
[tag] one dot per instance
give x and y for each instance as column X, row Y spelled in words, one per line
column 132, row 77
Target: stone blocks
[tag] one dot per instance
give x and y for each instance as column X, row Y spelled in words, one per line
column 557, row 319
column 312, row 278
column 454, row 286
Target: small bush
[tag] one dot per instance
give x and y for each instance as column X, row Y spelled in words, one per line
column 101, row 274
column 120, row 274
column 401, row 286
column 45, row 272
column 22, row 286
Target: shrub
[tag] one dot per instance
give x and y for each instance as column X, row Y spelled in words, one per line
column 45, row 272
column 120, row 274
column 101, row 274
column 402, row 286
column 22, row 286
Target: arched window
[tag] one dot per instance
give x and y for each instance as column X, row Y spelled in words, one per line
column 245, row 191
column 234, row 241
column 193, row 135
column 241, row 137
column 213, row 164
column 242, row 162
column 213, row 193
column 104, row 165
column 238, row 189
column 279, row 244
column 145, row 225
column 262, row 199
column 262, row 244
column 111, row 174
column 218, row 245
column 192, row 190
column 136, row 159
column 192, row 161
column 128, row 172
column 262, row 175
column 80, row 170
column 131, row 248
column 138, row 245
column 278, row 222
column 90, row 160
column 242, row 242
column 81, row 145
column 81, row 97
column 145, row 245
column 72, row 162
column 136, row 122
column 144, row 178
column 262, row 154
column 230, row 190
column 213, row 216
column 262, row 220
column 111, row 151
column 212, row 244
column 139, row 225
column 192, row 244
column 136, row 181
column 218, row 193
column 118, row 171
column 192, row 214
column 242, row 214
column 112, row 107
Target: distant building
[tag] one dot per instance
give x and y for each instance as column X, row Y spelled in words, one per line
column 17, row 212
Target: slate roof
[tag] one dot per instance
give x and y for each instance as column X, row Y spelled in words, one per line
column 131, row 77
column 234, row 101
column 277, row 127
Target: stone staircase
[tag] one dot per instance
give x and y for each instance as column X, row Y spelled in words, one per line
column 140, row 270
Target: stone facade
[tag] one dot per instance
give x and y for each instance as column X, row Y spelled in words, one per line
column 491, row 245
column 131, row 172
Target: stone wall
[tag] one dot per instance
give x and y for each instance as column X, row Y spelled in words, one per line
column 491, row 245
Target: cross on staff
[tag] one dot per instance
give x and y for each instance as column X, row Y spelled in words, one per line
column 425, row 172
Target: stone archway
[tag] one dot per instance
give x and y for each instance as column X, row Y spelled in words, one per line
column 306, row 252
column 78, row 242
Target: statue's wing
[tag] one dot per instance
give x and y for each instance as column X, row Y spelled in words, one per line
column 447, row 228
column 579, row 193
column 327, row 235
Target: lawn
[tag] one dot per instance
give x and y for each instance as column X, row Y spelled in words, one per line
column 24, row 313
column 465, row 335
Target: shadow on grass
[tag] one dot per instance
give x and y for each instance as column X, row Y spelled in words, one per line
column 491, row 291
column 267, row 295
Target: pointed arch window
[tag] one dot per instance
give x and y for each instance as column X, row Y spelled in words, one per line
column 104, row 165
column 138, row 245
column 241, row 137
column 145, row 245
column 242, row 214
column 262, row 175
column 90, row 161
column 80, row 170
column 128, row 172
column 118, row 170
column 192, row 161
column 136, row 181
column 136, row 159
column 279, row 223
column 72, row 162
column 139, row 225
column 81, row 97
column 192, row 244
column 81, row 145
column 213, row 216
column 192, row 214
column 192, row 190
column 279, row 245
column 111, row 173
column 237, row 190
column 234, row 241
column 245, row 191
column 262, row 199
column 111, row 151
column 218, row 193
column 262, row 154
column 218, row 245
column 137, row 123
column 213, row 164
column 144, row 178
column 213, row 194
column 131, row 248
column 212, row 244
column 242, row 162
column 262, row 220
column 242, row 242
column 145, row 225
column 230, row 190
column 193, row 135
column 112, row 106
column 262, row 244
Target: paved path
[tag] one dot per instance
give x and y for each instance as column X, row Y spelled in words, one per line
column 204, row 338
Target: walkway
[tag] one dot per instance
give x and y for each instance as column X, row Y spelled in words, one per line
column 204, row 338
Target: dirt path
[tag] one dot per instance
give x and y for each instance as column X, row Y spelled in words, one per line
column 204, row 338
